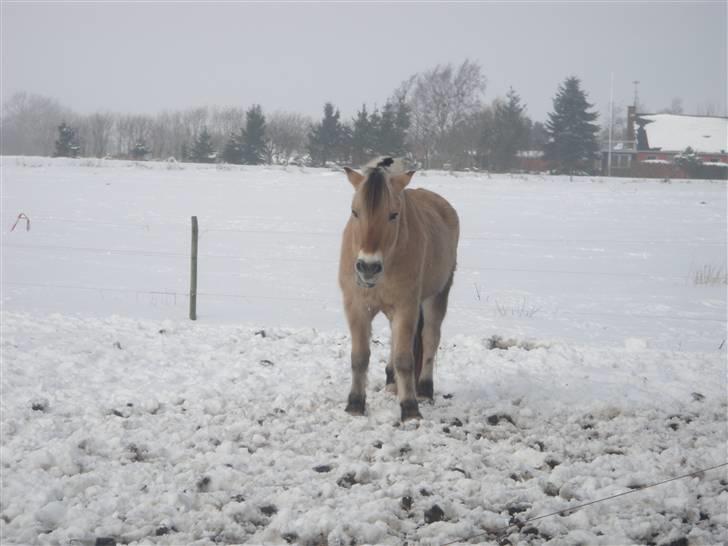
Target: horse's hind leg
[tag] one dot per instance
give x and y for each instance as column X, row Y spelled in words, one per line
column 391, row 384
column 433, row 310
column 360, row 328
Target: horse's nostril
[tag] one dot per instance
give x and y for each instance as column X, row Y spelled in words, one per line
column 368, row 269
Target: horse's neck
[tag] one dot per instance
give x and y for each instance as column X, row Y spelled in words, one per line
column 408, row 219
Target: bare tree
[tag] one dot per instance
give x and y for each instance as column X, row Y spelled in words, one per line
column 441, row 101
column 287, row 134
column 130, row 130
column 709, row 108
column 97, row 133
column 30, row 124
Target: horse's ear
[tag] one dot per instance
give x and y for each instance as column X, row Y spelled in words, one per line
column 354, row 177
column 400, row 181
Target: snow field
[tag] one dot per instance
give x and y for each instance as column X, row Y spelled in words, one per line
column 162, row 432
column 123, row 422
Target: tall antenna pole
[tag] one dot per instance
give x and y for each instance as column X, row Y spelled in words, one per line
column 636, row 95
column 611, row 124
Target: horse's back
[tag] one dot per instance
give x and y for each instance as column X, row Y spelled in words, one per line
column 440, row 222
column 437, row 211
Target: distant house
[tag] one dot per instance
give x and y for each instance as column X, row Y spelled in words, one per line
column 532, row 161
column 656, row 140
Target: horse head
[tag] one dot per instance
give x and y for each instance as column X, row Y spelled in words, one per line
column 377, row 212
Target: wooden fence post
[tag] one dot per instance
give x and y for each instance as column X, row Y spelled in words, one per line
column 193, row 271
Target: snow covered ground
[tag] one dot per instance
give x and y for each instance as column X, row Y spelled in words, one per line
column 123, row 422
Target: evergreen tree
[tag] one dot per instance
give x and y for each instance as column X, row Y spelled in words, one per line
column 202, row 150
column 537, row 136
column 572, row 133
column 253, row 142
column 233, row 151
column 328, row 139
column 690, row 162
column 67, row 144
column 510, row 131
column 140, row 150
column 401, row 127
column 362, row 137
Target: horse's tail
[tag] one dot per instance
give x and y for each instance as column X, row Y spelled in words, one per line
column 417, row 349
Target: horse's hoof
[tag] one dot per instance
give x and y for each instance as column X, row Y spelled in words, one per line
column 410, row 410
column 425, row 389
column 356, row 405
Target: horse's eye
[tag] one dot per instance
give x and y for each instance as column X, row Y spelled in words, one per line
column 393, row 216
column 354, row 213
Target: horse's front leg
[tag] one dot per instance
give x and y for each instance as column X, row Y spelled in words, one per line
column 360, row 328
column 404, row 326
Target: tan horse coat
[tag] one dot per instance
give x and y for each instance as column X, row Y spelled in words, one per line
column 398, row 256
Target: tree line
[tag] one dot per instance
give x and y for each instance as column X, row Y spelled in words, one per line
column 437, row 118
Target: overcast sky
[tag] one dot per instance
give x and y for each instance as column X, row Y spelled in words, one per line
column 151, row 56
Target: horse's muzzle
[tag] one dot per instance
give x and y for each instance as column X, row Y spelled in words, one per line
column 368, row 273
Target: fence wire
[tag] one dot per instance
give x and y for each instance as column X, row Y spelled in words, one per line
column 572, row 509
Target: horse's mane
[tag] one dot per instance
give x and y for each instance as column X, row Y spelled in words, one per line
column 376, row 172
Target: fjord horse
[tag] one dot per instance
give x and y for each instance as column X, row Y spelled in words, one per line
column 398, row 257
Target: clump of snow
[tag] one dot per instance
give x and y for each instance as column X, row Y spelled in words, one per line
column 194, row 434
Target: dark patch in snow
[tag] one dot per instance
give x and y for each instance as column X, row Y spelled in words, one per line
column 406, row 503
column 456, row 422
column 260, row 333
column 322, row 468
column 552, row 462
column 434, row 514
column 347, row 480
column 448, row 396
column 682, row 541
column 290, row 538
column 517, row 508
column 378, row 444
column 425, row 493
column 551, row 490
column 496, row 419
column 238, row 498
column 105, row 541
column 137, row 454
column 164, row 530
column 269, row 509
column 204, row 484
column 39, row 404
column 162, row 331
column 698, row 397
column 117, row 345
column 266, row 363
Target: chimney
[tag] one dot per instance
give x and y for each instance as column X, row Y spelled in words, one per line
column 630, row 136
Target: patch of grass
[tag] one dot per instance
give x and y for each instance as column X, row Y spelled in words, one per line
column 520, row 309
column 710, row 275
